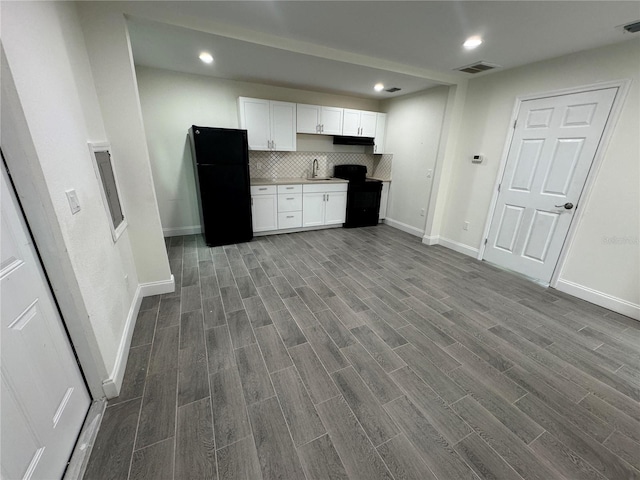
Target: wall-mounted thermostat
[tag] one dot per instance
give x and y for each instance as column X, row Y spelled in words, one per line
column 477, row 158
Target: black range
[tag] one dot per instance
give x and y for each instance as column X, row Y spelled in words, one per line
column 363, row 195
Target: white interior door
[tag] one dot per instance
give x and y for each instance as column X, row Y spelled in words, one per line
column 552, row 150
column 44, row 399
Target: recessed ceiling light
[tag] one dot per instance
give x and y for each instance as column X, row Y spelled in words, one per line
column 206, row 57
column 378, row 87
column 472, row 42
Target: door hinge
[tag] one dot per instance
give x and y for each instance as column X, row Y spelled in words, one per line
column 499, row 185
column 486, row 240
column 515, row 122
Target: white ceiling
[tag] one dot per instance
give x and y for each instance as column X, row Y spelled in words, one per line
column 404, row 44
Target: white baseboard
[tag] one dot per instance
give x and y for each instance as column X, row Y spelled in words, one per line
column 176, row 232
column 158, row 288
column 404, row 227
column 458, row 247
column 113, row 384
column 605, row 300
column 427, row 240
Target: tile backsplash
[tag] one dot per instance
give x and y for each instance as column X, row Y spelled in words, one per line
column 298, row 164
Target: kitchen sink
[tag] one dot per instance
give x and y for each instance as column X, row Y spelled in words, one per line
column 319, row 178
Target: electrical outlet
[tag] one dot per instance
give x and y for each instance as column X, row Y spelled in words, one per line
column 259, row 165
column 465, row 226
column 422, row 212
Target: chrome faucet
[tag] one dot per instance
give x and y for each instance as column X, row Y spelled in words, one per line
column 314, row 168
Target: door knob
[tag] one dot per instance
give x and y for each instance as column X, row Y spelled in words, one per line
column 567, row 205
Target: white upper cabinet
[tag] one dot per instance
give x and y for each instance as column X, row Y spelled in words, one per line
column 378, row 140
column 283, row 126
column 255, row 119
column 319, row 119
column 331, row 120
column 359, row 123
column 270, row 125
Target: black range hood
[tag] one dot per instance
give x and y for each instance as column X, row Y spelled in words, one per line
column 340, row 140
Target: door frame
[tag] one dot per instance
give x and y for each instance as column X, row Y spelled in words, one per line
column 623, row 89
column 24, row 168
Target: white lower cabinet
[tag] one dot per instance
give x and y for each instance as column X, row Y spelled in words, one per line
column 384, row 199
column 264, row 208
column 289, row 206
column 283, row 207
column 313, row 209
column 324, row 204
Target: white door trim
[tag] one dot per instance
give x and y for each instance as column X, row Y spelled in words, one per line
column 623, row 88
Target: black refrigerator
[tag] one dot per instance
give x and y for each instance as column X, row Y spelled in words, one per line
column 221, row 163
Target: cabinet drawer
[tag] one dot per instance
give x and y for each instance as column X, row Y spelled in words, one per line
column 289, row 189
column 289, row 220
column 290, row 203
column 325, row 187
column 263, row 189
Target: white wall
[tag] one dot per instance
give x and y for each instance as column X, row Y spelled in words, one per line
column 613, row 207
column 107, row 42
column 50, row 111
column 172, row 102
column 414, row 127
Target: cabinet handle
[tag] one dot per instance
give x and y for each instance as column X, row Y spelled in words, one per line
column 322, row 128
column 327, row 197
column 292, row 198
column 262, row 188
column 289, row 216
column 317, row 128
column 273, row 144
column 289, row 188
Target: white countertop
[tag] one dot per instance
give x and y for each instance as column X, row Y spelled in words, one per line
column 293, row 180
column 299, row 181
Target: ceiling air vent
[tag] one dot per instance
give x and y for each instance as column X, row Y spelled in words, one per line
column 632, row 27
column 393, row 89
column 477, row 67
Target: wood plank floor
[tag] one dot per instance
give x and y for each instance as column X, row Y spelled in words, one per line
column 364, row 354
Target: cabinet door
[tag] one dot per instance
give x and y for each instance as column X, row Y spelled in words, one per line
column 368, row 124
column 254, row 118
column 264, row 210
column 378, row 140
column 283, row 126
column 351, row 123
column 331, row 120
column 313, row 209
column 384, row 199
column 308, row 119
column 335, row 208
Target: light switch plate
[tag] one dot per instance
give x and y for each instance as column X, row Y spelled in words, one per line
column 74, row 203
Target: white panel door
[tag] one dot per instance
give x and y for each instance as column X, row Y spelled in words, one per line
column 553, row 146
column 335, row 209
column 283, row 126
column 44, row 399
column 254, row 118
column 264, row 212
column 313, row 209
